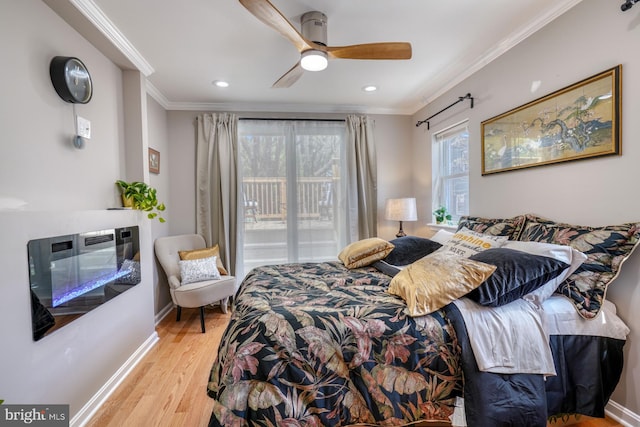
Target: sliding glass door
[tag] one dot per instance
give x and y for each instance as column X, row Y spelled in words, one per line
column 291, row 175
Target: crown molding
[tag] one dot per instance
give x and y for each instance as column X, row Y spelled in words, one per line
column 99, row 20
column 500, row 48
column 275, row 107
column 157, row 95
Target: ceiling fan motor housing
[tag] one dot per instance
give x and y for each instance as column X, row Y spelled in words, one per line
column 314, row 27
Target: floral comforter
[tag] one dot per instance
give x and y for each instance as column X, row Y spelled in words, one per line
column 317, row 344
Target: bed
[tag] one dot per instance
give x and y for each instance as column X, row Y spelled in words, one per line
column 329, row 343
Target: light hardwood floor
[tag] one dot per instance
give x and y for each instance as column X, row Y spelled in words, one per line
column 169, row 386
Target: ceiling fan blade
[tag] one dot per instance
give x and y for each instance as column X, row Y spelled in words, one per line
column 391, row 50
column 290, row 77
column 267, row 13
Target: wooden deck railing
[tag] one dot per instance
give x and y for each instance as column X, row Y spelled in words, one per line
column 314, row 195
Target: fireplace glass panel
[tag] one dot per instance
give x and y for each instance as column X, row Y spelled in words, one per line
column 73, row 274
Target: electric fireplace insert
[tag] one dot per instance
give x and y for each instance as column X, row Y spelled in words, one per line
column 73, row 274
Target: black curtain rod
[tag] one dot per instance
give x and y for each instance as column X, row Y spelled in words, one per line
column 460, row 99
column 292, row 120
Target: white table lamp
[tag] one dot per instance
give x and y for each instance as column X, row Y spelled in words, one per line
column 401, row 210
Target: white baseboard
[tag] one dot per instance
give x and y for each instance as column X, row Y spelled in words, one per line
column 163, row 313
column 622, row 415
column 89, row 409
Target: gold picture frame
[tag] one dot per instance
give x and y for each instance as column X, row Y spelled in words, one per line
column 154, row 161
column 578, row 122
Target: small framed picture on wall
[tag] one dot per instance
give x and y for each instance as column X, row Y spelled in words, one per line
column 154, row 161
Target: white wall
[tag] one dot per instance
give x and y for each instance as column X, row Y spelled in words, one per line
column 393, row 146
column 48, row 187
column 592, row 37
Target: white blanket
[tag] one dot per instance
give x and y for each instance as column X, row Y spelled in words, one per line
column 509, row 339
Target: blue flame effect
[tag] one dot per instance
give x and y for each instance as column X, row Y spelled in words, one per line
column 85, row 287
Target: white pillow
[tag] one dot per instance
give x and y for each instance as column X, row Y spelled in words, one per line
column 198, row 270
column 562, row 253
column 442, row 236
column 465, row 242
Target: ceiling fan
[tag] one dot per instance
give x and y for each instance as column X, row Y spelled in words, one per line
column 311, row 42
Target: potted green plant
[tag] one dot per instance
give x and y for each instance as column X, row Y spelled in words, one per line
column 441, row 215
column 139, row 195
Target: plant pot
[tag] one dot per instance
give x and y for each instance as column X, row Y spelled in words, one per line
column 127, row 202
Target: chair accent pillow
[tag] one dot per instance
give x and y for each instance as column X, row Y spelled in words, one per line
column 205, row 253
column 364, row 252
column 517, row 273
column 606, row 249
column 198, row 270
column 466, row 243
column 510, row 227
column 408, row 249
column 434, row 281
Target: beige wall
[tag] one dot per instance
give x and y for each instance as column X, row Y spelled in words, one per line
column 39, row 164
column 592, row 37
column 159, row 141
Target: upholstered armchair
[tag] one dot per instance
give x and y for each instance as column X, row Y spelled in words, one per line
column 194, row 281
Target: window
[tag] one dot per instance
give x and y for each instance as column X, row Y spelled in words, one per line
column 291, row 175
column 450, row 171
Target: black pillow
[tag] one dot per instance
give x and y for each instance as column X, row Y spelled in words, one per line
column 409, row 249
column 517, row 274
column 388, row 269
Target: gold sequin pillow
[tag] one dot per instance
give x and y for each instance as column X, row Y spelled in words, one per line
column 434, row 281
column 365, row 252
column 204, row 253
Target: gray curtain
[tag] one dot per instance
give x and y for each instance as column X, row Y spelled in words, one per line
column 362, row 193
column 217, row 184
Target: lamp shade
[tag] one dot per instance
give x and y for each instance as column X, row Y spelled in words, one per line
column 401, row 209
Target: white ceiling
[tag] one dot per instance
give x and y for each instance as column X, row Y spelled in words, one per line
column 190, row 43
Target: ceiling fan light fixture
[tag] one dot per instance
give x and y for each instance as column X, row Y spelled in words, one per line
column 314, row 60
column 370, row 88
column 221, row 83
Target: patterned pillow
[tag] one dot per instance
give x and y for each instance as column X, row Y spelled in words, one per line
column 606, row 249
column 465, row 243
column 198, row 270
column 510, row 227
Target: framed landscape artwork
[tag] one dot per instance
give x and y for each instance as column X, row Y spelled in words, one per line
column 577, row 122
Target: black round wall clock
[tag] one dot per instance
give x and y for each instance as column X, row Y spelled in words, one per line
column 71, row 79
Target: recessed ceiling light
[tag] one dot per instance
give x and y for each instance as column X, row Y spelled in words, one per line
column 221, row 83
column 370, row 88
